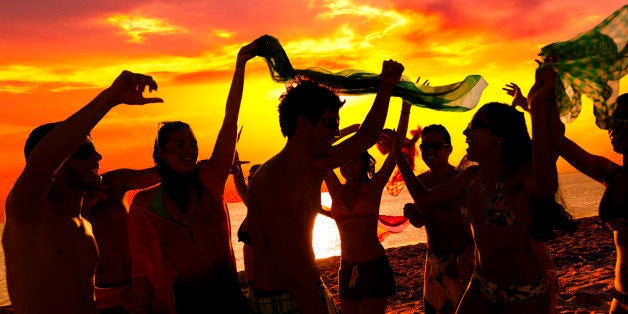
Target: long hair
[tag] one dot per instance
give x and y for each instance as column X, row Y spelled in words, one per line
column 176, row 185
column 509, row 124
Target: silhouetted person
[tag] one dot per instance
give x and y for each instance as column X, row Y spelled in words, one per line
column 449, row 261
column 285, row 193
column 50, row 251
column 180, row 235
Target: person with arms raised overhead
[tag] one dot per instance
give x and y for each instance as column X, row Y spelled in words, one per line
column 50, row 251
column 180, row 236
column 285, row 194
column 365, row 278
column 509, row 200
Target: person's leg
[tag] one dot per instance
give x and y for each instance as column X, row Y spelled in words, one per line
column 373, row 306
column 473, row 302
column 428, row 308
column 618, row 308
column 349, row 306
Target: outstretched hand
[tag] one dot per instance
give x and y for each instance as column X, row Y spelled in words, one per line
column 391, row 72
column 128, row 87
column 518, row 100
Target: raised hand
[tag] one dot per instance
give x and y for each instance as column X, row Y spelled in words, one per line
column 391, row 72
column 128, row 87
column 518, row 100
column 387, row 139
column 246, row 53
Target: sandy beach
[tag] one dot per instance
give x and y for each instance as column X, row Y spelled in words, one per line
column 584, row 262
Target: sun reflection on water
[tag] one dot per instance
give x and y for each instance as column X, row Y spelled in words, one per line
column 326, row 240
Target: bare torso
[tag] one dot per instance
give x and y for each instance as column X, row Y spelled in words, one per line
column 283, row 204
column 357, row 219
column 50, row 264
column 109, row 221
column 505, row 254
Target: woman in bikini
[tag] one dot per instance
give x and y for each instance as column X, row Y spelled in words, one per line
column 180, row 236
column 365, row 278
column 507, row 199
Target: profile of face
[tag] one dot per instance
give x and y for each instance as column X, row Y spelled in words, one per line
column 480, row 139
column 434, row 151
column 181, row 150
column 323, row 133
column 81, row 169
column 618, row 133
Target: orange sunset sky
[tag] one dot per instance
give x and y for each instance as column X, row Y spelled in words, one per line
column 55, row 56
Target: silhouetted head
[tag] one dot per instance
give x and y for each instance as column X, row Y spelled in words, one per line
column 435, row 146
column 362, row 168
column 80, row 170
column 175, row 148
column 498, row 126
column 37, row 135
column 309, row 100
column 618, row 130
column 252, row 171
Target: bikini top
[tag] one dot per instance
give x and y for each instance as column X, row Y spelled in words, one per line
column 363, row 208
column 158, row 208
column 496, row 212
column 607, row 210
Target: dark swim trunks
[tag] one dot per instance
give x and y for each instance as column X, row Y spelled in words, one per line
column 373, row 279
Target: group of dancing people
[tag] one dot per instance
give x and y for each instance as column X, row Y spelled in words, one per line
column 71, row 246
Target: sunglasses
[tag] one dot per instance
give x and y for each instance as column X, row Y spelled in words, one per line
column 85, row 151
column 433, row 145
column 480, row 124
column 332, row 123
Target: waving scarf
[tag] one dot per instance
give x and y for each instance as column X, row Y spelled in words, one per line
column 591, row 64
column 459, row 96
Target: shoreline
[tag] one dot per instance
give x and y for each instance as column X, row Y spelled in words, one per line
column 584, row 260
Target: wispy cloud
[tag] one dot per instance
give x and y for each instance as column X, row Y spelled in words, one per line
column 386, row 20
column 137, row 27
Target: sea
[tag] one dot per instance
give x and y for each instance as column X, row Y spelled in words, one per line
column 580, row 193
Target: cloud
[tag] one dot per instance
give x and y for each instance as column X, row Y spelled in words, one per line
column 137, row 27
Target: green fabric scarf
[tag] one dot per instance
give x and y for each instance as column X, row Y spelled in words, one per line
column 460, row 96
column 591, row 64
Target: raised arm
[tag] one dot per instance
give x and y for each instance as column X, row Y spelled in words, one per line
column 543, row 164
column 333, row 184
column 596, row 167
column 238, row 179
column 381, row 177
column 369, row 130
column 52, row 151
column 224, row 149
column 120, row 181
column 438, row 196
